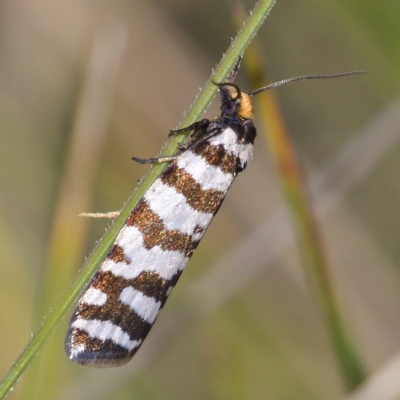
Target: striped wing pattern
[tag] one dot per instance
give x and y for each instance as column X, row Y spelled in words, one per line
column 116, row 312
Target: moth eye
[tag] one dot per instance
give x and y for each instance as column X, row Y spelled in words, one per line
column 229, row 108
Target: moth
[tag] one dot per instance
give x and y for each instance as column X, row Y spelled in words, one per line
column 126, row 294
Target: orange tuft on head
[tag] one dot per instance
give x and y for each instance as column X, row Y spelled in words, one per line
column 246, row 107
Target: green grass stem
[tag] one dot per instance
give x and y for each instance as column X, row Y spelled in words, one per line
column 236, row 48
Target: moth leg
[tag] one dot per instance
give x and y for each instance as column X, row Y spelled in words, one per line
column 199, row 125
column 197, row 128
column 202, row 135
column 182, row 146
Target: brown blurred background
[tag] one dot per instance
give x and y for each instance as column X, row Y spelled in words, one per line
column 85, row 85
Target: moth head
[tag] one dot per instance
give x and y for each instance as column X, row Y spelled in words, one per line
column 234, row 103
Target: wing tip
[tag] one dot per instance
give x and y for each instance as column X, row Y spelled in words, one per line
column 99, row 358
column 83, row 349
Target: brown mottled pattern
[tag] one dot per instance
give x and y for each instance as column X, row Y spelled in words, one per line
column 118, row 314
column 217, row 156
column 207, row 201
column 116, row 254
column 154, row 232
column 149, row 283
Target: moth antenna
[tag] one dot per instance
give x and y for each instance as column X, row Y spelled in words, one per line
column 303, row 78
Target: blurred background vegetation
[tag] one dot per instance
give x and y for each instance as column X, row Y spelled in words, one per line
column 85, row 85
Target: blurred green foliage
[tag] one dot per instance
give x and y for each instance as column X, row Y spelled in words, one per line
column 265, row 337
